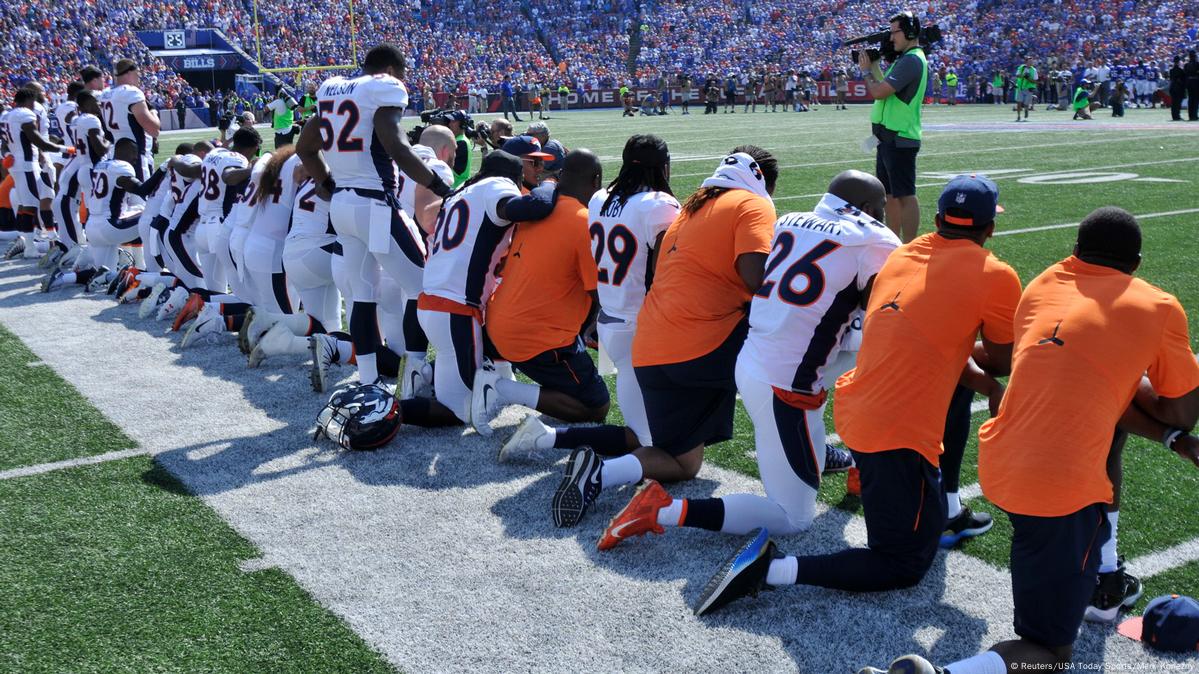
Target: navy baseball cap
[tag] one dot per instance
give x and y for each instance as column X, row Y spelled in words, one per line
column 1170, row 623
column 526, row 147
column 974, row 200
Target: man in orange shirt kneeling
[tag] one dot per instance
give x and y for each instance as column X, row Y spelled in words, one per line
column 1086, row 332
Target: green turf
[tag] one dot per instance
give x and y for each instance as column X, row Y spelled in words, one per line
column 813, row 147
column 42, row 419
column 114, row 567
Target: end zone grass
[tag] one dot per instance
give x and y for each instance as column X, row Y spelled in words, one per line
column 115, row 567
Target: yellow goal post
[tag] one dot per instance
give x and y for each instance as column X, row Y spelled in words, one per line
column 300, row 69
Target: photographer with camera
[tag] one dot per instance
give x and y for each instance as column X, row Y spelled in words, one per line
column 1026, row 86
column 283, row 118
column 895, row 119
column 492, row 137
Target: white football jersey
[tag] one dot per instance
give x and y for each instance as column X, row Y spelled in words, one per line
column 4, row 130
column 622, row 238
column 218, row 198
column 193, row 196
column 179, row 184
column 110, row 201
column 347, row 109
column 25, row 154
column 162, row 193
column 819, row 264
column 243, row 212
column 43, row 119
column 81, row 127
column 117, row 105
column 272, row 213
column 64, row 113
column 408, row 185
column 310, row 216
column 469, row 242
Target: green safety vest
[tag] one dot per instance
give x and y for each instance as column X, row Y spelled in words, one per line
column 1082, row 98
column 894, row 114
column 460, row 178
column 283, row 120
column 997, row 82
column 306, row 102
column 1022, row 80
column 951, row 80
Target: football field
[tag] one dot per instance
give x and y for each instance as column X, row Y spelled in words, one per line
column 168, row 510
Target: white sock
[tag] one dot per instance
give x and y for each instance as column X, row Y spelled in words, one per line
column 518, row 393
column 783, row 571
column 297, row 324
column 671, row 514
column 368, row 371
column 1108, row 561
column 345, row 351
column 983, row 663
column 547, row 441
column 955, row 503
column 620, row 471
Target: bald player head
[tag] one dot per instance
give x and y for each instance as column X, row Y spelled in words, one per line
column 582, row 175
column 861, row 190
column 441, row 141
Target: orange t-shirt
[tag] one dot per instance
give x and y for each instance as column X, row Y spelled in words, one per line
column 926, row 309
column 1085, row 334
column 542, row 301
column 697, row 297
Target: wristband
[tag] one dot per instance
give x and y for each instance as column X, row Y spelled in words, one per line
column 438, row 186
column 1172, row 435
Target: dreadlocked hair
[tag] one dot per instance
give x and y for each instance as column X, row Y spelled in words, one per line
column 635, row 177
column 270, row 175
column 766, row 163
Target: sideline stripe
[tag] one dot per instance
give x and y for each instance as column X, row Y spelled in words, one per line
column 40, row 468
column 1064, row 225
column 1163, row 560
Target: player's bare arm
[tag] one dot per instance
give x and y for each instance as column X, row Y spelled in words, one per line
column 31, row 133
column 187, row 170
column 751, row 267
column 147, row 118
column 308, row 148
column 387, row 126
column 236, row 176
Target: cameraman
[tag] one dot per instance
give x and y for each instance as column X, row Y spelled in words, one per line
column 895, row 121
column 283, row 118
column 462, row 165
column 500, row 131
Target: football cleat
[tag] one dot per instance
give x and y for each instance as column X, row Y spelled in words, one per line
column 53, row 281
column 967, row 524
column 53, row 254
column 158, row 295
column 175, row 299
column 191, row 308
column 638, row 517
column 908, row 664
column 99, row 281
column 15, row 249
column 205, row 329
column 324, row 355
column 579, row 487
column 125, row 279
column 417, row 380
column 115, row 280
column 484, row 398
column 67, row 261
column 743, row 574
column 257, row 325
column 243, row 339
column 132, row 292
column 277, row 341
column 836, row 460
column 524, row 441
column 1117, row 590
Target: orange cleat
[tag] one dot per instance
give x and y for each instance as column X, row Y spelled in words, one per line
column 637, row 518
column 189, row 311
column 853, row 482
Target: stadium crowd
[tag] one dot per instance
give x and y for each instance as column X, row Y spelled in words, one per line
column 589, row 44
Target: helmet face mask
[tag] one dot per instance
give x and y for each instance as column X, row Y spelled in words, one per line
column 359, row 417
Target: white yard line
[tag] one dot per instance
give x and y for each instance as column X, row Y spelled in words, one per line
column 1163, row 560
column 1065, row 225
column 40, row 468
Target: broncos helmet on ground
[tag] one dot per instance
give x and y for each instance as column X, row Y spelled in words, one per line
column 359, row 417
